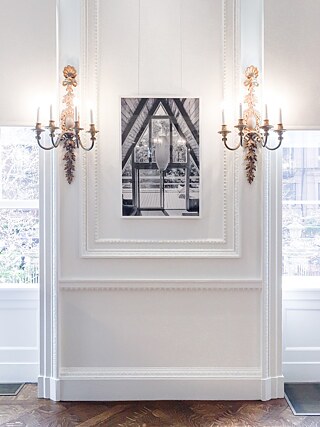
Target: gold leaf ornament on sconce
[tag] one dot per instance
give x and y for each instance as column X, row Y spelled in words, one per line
column 252, row 135
column 69, row 126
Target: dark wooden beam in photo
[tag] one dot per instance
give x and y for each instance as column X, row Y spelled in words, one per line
column 188, row 181
column 133, row 119
column 187, row 119
column 142, row 129
column 167, row 107
column 171, row 142
column 134, row 188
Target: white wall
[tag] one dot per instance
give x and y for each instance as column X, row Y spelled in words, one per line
column 174, row 309
column 134, row 309
column 129, row 320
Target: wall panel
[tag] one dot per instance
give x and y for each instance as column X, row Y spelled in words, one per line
column 158, row 60
column 161, row 328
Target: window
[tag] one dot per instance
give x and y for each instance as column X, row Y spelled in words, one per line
column 300, row 200
column 289, row 191
column 19, row 206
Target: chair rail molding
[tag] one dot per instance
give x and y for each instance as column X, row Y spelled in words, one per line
column 161, row 373
column 159, row 285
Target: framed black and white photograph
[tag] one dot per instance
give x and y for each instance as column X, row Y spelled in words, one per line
column 160, row 157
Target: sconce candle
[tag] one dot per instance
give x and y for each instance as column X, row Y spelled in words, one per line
column 266, row 112
column 251, row 133
column 240, row 110
column 223, row 118
column 70, row 129
column 91, row 116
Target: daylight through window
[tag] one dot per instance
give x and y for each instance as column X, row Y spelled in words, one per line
column 301, row 205
column 19, row 206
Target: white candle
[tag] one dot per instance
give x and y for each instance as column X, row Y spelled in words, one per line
column 280, row 116
column 50, row 111
column 223, row 119
column 266, row 112
column 240, row 110
column 38, row 115
column 75, row 113
column 91, row 117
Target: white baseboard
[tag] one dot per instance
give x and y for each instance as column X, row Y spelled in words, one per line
column 301, row 372
column 49, row 388
column 272, row 388
column 19, row 372
column 102, row 384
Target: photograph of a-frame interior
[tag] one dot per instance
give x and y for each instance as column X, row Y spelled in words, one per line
column 160, row 157
column 159, row 213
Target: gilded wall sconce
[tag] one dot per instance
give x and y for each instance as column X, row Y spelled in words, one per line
column 69, row 132
column 252, row 135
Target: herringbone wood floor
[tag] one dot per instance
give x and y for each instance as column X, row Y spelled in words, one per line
column 26, row 410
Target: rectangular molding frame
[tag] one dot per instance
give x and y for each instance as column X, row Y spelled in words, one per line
column 228, row 246
column 133, row 383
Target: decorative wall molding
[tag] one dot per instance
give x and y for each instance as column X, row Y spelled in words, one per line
column 49, row 244
column 266, row 266
column 160, row 285
column 159, row 253
column 92, row 244
column 154, row 372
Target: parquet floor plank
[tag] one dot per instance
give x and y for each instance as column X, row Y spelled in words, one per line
column 26, row 410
